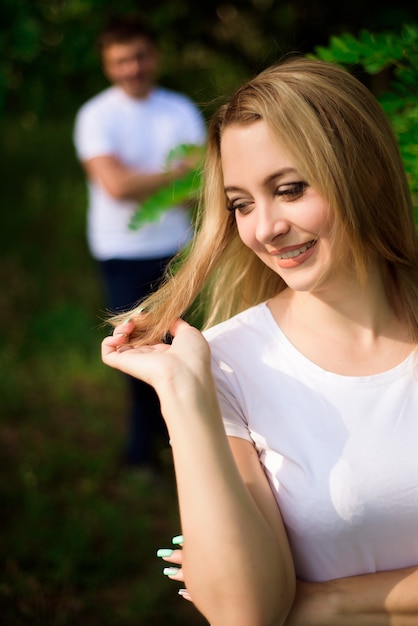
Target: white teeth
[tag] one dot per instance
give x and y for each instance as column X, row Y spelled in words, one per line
column 293, row 253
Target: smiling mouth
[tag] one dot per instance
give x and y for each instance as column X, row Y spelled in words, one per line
column 297, row 251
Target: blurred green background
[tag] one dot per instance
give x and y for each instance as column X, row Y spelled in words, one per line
column 78, row 535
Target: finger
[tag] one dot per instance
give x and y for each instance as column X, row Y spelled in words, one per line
column 125, row 328
column 117, row 340
column 178, row 326
column 174, row 573
column 119, row 336
column 111, row 346
column 171, row 556
column 178, row 540
column 112, row 343
column 185, row 594
column 141, row 362
column 121, row 332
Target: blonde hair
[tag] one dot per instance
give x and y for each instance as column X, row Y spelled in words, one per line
column 343, row 146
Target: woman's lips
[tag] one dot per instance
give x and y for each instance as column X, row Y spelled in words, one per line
column 296, row 255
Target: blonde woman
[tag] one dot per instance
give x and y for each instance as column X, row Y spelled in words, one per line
column 293, row 418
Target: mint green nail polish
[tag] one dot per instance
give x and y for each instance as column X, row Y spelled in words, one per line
column 164, row 552
column 179, row 539
column 170, row 571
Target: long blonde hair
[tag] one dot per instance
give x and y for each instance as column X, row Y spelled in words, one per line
column 343, row 145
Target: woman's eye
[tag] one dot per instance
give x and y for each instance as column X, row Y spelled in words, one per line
column 292, row 191
column 289, row 192
column 242, row 206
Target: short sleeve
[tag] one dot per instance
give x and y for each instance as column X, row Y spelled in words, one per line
column 91, row 136
column 231, row 401
column 194, row 125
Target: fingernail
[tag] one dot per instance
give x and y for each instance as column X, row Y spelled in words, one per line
column 177, row 540
column 128, row 320
column 170, row 571
column 184, row 593
column 164, row 552
column 123, row 348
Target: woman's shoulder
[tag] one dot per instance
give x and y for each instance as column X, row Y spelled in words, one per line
column 255, row 320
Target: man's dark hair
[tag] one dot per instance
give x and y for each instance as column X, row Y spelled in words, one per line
column 121, row 29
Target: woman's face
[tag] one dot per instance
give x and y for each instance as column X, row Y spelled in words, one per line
column 279, row 216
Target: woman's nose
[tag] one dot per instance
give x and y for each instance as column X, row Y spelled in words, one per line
column 270, row 223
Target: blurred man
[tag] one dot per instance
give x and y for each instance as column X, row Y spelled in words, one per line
column 122, row 137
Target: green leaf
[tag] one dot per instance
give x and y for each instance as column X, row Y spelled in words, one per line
column 181, row 191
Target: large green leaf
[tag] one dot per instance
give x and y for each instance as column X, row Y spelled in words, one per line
column 182, row 191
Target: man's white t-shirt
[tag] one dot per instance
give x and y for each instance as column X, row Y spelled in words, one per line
column 140, row 133
column 340, row 452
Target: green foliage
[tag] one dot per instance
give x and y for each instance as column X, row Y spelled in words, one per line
column 181, row 191
column 391, row 61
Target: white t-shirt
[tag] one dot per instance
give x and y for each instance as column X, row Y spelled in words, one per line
column 340, row 452
column 140, row 133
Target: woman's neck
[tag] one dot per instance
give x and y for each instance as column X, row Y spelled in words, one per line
column 351, row 328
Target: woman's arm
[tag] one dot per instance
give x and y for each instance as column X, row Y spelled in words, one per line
column 382, row 599
column 257, row 579
column 236, row 559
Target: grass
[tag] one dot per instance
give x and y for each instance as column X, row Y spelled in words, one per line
column 78, row 535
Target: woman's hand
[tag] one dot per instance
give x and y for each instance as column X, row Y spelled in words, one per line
column 379, row 599
column 188, row 354
column 176, row 558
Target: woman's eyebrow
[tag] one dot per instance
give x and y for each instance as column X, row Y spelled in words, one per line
column 279, row 174
column 276, row 175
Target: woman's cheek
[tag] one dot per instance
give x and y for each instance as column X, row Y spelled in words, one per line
column 246, row 233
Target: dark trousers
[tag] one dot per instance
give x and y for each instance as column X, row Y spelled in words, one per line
column 127, row 282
